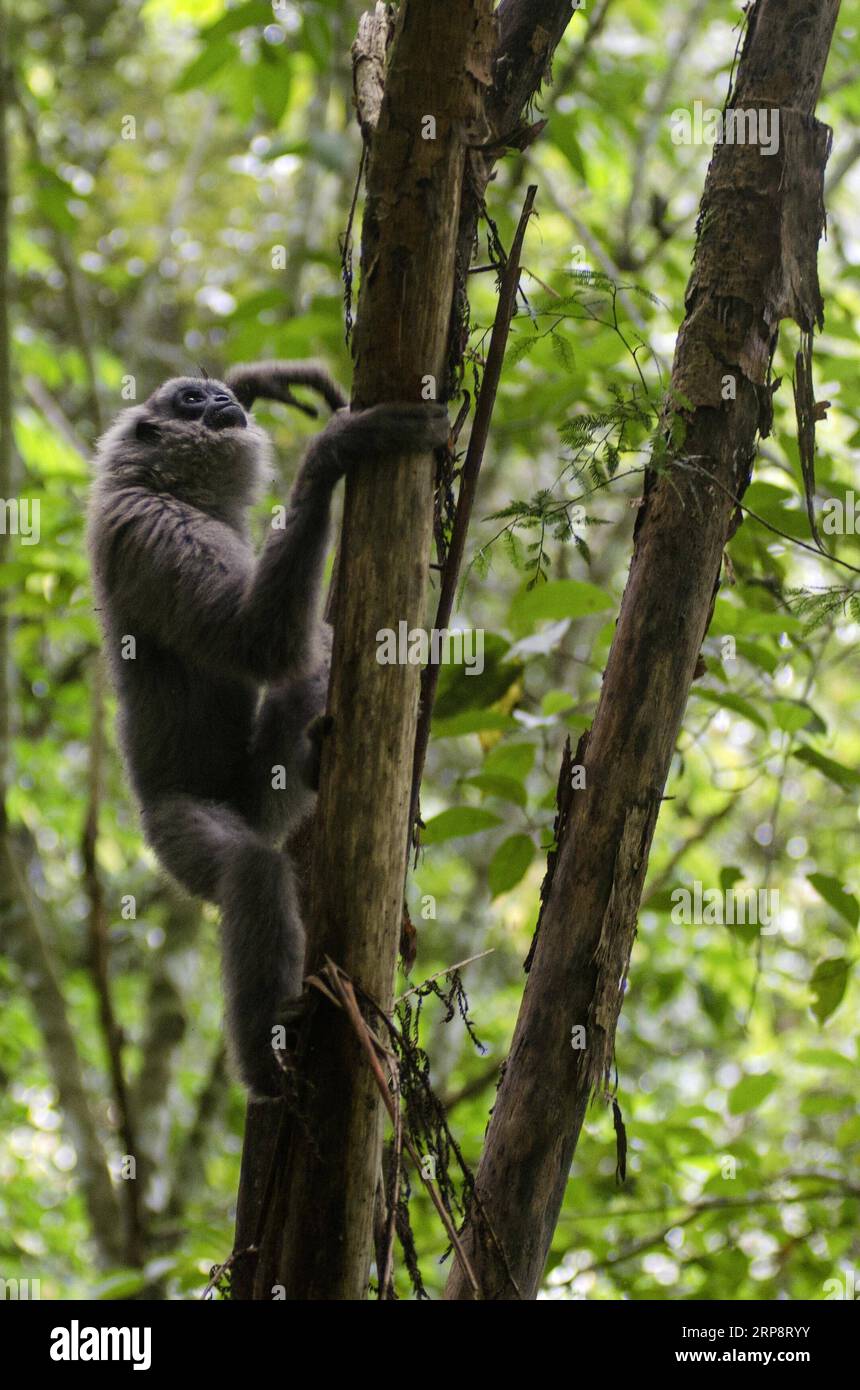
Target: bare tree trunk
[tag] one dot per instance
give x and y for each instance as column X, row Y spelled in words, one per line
column 755, row 264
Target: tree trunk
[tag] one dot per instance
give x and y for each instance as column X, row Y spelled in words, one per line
column 439, row 64
column 755, row 263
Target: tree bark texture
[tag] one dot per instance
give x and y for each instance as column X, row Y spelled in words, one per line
column 755, row 264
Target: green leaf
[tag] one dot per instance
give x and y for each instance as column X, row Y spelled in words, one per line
column 792, row 715
column 316, row 40
column 254, row 13
column 52, row 195
column 750, row 1092
column 462, row 687
column 833, row 893
column 495, row 785
column 661, row 901
column 554, row 701
column 559, row 598
column 473, row 722
column 509, row 863
column 120, row 1284
column 565, row 139
column 845, row 777
column 272, row 85
column 826, row 1057
column 511, row 760
column 216, row 54
column 578, row 722
column 466, row 687
column 828, row 984
column 563, row 352
column 456, row 822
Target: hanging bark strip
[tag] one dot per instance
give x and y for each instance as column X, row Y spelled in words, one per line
column 755, row 264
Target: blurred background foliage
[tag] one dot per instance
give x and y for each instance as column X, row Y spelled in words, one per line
column 162, row 154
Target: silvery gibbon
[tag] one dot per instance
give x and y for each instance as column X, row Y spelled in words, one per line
column 221, row 691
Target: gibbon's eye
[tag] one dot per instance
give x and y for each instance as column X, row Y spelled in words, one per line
column 192, row 397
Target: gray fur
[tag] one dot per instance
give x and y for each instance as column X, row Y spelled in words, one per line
column 232, row 658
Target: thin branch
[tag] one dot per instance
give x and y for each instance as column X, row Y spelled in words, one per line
column 99, row 942
column 700, row 834
column 189, row 1171
column 164, row 1030
column 568, row 74
column 439, row 973
column 508, row 289
column 701, row 1209
column 844, row 164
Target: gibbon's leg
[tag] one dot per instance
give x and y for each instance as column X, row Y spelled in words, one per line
column 217, row 855
column 281, row 772
column 283, row 769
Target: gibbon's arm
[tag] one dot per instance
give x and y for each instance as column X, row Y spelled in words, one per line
column 272, row 381
column 193, row 583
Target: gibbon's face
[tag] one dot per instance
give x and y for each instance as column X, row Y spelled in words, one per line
column 192, row 438
column 210, row 403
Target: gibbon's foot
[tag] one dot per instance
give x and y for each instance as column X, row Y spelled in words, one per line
column 289, row 1016
column 268, row 1084
column 266, row 1081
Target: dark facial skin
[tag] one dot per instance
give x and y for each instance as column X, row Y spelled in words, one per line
column 210, row 402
